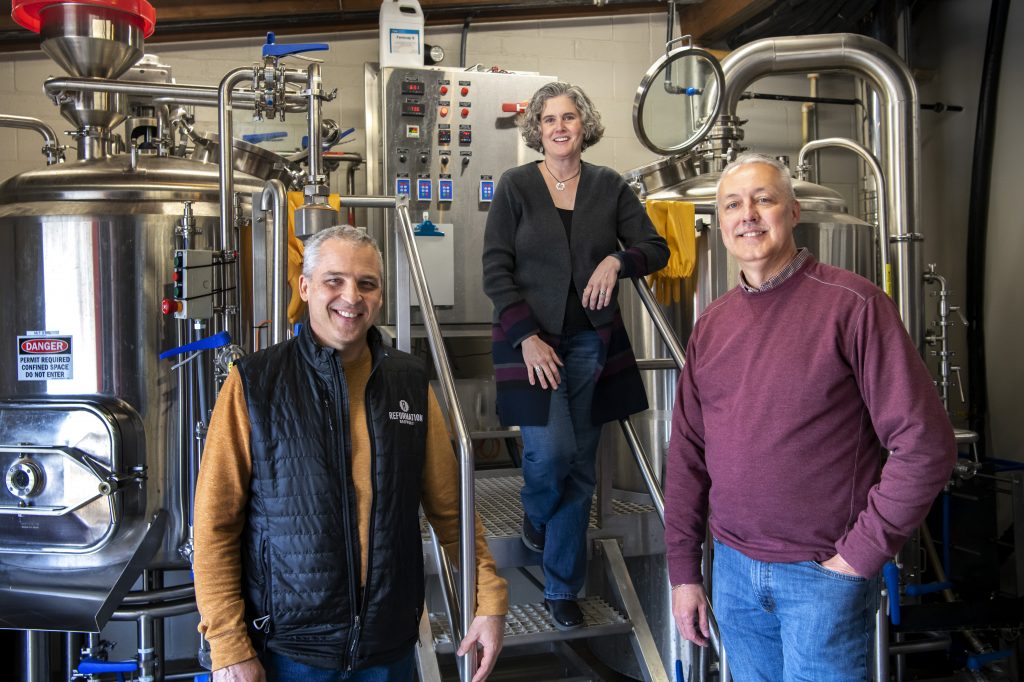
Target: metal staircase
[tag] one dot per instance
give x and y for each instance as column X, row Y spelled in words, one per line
column 620, row 526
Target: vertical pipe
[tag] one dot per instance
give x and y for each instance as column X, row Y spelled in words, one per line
column 225, row 133
column 315, row 86
column 275, row 199
column 36, row 650
column 977, row 223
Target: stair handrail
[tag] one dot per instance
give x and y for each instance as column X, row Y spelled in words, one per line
column 464, row 445
column 678, row 355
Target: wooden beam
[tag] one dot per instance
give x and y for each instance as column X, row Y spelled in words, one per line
column 712, row 20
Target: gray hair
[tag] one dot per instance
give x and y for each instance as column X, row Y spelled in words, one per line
column 343, row 233
column 748, row 158
column 529, row 122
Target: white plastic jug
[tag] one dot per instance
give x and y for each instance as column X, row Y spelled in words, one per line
column 401, row 33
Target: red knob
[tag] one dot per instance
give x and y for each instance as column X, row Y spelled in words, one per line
column 169, row 306
column 464, row 113
column 464, row 91
column 444, row 89
column 444, row 111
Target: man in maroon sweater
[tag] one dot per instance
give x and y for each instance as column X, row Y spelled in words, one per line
column 795, row 382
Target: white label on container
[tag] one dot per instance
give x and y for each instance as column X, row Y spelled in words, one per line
column 44, row 357
column 405, row 41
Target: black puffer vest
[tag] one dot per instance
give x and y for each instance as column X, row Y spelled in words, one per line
column 301, row 558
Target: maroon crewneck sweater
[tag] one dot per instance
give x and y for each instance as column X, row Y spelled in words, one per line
column 785, row 404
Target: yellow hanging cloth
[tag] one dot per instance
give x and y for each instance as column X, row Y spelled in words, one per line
column 674, row 221
column 296, row 306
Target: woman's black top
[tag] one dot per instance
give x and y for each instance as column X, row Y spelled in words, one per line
column 576, row 319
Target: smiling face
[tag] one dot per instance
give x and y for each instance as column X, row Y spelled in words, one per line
column 757, row 215
column 344, row 294
column 561, row 129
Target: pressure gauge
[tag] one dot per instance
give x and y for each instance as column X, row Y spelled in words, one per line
column 435, row 54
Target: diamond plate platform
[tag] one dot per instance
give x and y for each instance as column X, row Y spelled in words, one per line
column 531, row 624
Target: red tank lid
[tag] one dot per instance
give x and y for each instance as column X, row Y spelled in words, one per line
column 26, row 12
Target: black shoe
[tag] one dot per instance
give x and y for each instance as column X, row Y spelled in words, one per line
column 565, row 613
column 532, row 538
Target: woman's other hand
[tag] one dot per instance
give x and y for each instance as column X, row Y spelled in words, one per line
column 601, row 287
column 542, row 362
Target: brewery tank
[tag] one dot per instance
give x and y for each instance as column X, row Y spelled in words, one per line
column 86, row 258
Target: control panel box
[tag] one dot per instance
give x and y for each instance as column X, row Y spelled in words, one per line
column 440, row 137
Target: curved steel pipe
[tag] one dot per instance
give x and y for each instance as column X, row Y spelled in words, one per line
column 275, row 199
column 152, row 597
column 871, row 162
column 881, row 66
column 54, row 152
column 173, row 608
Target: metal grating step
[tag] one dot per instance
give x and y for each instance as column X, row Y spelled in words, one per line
column 501, row 508
column 531, row 624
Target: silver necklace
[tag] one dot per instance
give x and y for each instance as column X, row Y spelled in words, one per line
column 560, row 184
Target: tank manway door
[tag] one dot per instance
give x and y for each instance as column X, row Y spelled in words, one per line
column 74, row 535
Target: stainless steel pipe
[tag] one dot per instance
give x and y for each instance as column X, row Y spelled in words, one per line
column 882, row 67
column 876, row 170
column 164, row 93
column 275, row 199
column 53, row 151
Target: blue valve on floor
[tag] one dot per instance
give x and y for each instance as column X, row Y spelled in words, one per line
column 272, row 49
column 210, row 342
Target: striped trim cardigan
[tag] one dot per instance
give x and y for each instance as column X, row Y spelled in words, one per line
column 528, row 263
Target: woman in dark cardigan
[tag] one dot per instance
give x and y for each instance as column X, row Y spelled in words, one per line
column 563, row 364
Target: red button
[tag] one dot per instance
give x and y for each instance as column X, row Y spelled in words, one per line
column 444, row 112
column 444, row 89
column 464, row 113
column 464, row 91
column 176, row 276
column 169, row 306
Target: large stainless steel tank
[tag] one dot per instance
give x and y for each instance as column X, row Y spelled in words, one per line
column 85, row 261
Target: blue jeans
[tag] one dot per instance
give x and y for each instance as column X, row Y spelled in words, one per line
column 793, row 621
column 559, row 472
column 283, row 669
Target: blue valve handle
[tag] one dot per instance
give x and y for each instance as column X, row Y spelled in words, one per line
column 256, row 138
column 216, row 341
column 979, row 661
column 427, row 229
column 927, row 588
column 272, row 49
column 691, row 91
column 891, row 575
column 94, row 666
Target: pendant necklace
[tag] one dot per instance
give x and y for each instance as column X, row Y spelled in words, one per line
column 560, row 184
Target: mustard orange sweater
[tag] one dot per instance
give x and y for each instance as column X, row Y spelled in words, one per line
column 222, row 496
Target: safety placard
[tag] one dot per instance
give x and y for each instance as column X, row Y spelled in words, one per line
column 43, row 357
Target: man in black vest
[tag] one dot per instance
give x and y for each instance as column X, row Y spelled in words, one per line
column 308, row 552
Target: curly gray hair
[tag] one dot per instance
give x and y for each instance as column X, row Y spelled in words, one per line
column 344, row 233
column 529, row 122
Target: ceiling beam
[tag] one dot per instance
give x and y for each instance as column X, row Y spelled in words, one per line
column 196, row 20
column 712, row 20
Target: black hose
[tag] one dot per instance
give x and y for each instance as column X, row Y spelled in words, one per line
column 977, row 222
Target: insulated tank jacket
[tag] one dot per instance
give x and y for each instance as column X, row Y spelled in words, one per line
column 300, row 553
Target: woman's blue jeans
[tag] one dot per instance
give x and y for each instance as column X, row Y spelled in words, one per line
column 783, row 622
column 559, row 471
column 283, row 669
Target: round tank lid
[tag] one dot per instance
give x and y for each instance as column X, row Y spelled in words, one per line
column 26, row 12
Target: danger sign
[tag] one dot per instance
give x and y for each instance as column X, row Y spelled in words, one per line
column 44, row 358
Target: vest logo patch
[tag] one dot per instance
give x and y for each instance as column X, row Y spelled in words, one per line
column 403, row 416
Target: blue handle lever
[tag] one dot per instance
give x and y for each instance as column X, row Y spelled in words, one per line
column 272, row 49
column 216, row 341
column 891, row 575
